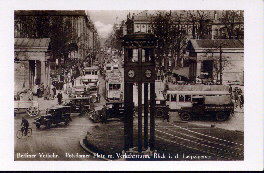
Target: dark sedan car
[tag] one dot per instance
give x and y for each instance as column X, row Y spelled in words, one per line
column 54, row 116
column 80, row 105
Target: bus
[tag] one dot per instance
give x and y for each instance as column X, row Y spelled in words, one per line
column 91, row 75
column 108, row 68
column 114, row 87
column 178, row 99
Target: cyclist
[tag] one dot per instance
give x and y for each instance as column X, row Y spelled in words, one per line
column 24, row 125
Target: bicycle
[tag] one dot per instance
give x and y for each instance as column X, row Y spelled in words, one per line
column 21, row 133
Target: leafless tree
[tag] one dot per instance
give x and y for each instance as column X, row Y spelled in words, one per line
column 220, row 62
column 171, row 36
column 232, row 21
column 200, row 22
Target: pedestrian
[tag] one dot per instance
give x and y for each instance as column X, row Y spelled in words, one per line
column 236, row 96
column 38, row 92
column 24, row 126
column 166, row 115
column 30, row 94
column 47, row 92
column 54, row 90
column 103, row 115
column 72, row 81
column 241, row 99
column 35, row 90
column 59, row 96
column 41, row 89
column 231, row 91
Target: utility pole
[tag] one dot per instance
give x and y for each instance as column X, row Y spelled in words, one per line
column 221, row 65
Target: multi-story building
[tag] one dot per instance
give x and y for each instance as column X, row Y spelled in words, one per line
column 71, row 35
column 76, row 26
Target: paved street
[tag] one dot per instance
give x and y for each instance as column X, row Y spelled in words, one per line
column 58, row 140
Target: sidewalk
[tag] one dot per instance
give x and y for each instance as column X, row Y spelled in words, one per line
column 45, row 104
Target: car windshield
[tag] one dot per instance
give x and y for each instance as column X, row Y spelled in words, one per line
column 52, row 111
column 197, row 100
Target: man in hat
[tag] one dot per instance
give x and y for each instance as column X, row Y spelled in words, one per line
column 24, row 125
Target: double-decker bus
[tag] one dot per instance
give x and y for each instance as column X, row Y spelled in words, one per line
column 91, row 75
column 114, row 86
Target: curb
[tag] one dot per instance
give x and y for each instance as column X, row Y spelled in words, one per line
column 93, row 153
column 90, row 151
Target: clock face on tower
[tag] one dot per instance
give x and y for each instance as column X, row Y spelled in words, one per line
column 148, row 73
column 131, row 73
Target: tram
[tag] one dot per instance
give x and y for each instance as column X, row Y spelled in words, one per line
column 114, row 86
column 178, row 99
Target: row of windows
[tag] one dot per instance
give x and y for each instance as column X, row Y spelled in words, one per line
column 145, row 55
column 91, row 72
column 114, row 86
column 182, row 98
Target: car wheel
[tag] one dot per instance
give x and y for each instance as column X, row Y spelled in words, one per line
column 48, row 124
column 66, row 122
column 222, row 116
column 37, row 126
column 185, row 116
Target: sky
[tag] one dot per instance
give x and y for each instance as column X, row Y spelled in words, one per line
column 105, row 19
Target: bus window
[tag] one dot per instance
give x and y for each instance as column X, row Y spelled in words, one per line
column 95, row 73
column 88, row 72
column 181, row 98
column 110, row 86
column 168, row 97
column 187, row 98
column 174, row 97
column 118, row 86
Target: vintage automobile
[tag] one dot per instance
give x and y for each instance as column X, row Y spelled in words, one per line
column 96, row 114
column 80, row 91
column 219, row 107
column 113, row 110
column 80, row 105
column 54, row 116
column 94, row 93
column 162, row 110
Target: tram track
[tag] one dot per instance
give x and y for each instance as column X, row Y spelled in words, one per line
column 201, row 142
column 190, row 135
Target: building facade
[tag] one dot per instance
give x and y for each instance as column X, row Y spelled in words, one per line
column 31, row 63
column 208, row 59
column 73, row 38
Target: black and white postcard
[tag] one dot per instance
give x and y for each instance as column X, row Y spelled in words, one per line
column 108, row 86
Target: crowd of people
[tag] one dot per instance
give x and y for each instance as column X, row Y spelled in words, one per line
column 237, row 96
